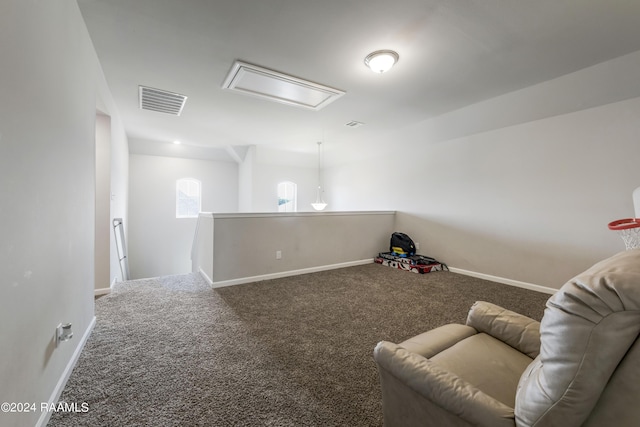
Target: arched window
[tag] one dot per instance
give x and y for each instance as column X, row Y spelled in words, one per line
column 287, row 197
column 188, row 198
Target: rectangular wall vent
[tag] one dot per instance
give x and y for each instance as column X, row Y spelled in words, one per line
column 264, row 83
column 161, row 101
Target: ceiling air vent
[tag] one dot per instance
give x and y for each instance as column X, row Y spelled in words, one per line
column 354, row 124
column 161, row 101
column 264, row 83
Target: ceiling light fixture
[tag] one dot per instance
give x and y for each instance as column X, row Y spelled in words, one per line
column 381, row 61
column 177, row 142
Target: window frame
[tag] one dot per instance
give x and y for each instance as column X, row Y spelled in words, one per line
column 294, row 200
column 188, row 181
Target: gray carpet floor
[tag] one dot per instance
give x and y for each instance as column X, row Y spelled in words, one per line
column 295, row 351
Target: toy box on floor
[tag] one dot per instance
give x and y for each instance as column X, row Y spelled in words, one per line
column 415, row 263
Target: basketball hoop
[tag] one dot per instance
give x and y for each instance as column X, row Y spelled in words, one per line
column 629, row 230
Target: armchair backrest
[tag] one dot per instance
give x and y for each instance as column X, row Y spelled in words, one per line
column 587, row 329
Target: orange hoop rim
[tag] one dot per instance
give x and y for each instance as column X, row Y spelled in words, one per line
column 624, row 224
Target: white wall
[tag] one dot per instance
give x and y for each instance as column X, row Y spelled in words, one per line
column 245, row 181
column 119, row 191
column 266, row 168
column 103, row 202
column 119, row 174
column 50, row 81
column 159, row 243
column 525, row 193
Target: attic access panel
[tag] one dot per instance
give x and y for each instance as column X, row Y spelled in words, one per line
column 275, row 86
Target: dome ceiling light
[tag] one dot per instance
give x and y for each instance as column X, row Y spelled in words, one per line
column 381, row 61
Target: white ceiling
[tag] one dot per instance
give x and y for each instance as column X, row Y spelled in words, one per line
column 453, row 53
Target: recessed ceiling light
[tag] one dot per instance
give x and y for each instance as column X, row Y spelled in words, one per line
column 381, row 61
column 177, row 142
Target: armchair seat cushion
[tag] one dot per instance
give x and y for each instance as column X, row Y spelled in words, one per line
column 486, row 363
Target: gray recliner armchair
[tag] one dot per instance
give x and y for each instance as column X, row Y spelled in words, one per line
column 580, row 366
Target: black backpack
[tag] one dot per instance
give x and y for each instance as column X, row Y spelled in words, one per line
column 402, row 245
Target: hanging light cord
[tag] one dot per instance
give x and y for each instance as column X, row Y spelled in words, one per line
column 319, row 164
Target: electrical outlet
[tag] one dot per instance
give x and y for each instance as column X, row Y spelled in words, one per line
column 417, row 245
column 278, row 254
column 63, row 333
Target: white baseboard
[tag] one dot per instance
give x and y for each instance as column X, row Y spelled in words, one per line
column 101, row 291
column 57, row 391
column 104, row 291
column 504, row 280
column 484, row 276
column 205, row 276
column 251, row 279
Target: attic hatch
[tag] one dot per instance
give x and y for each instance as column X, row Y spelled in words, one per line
column 161, row 101
column 275, row 86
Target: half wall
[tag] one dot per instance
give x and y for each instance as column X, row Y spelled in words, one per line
column 230, row 249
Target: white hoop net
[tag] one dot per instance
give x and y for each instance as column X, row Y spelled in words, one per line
column 631, row 237
column 629, row 231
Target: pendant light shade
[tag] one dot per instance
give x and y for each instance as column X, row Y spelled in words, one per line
column 319, row 203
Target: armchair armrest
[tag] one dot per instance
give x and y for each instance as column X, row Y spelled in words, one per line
column 432, row 342
column 518, row 331
column 442, row 388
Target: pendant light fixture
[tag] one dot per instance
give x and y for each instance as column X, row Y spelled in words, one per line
column 319, row 203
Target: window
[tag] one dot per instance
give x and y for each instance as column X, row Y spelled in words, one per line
column 188, row 200
column 287, row 197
